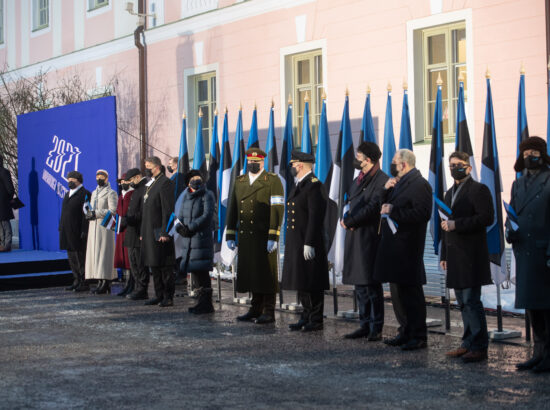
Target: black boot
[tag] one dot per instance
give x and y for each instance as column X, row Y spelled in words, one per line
column 128, row 288
column 204, row 305
column 538, row 355
column 82, row 285
column 97, row 288
column 74, row 285
column 105, row 287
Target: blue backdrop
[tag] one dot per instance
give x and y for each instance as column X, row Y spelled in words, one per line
column 51, row 143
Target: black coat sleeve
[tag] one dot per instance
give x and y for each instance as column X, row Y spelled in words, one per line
column 420, row 209
column 316, row 203
column 166, row 203
column 366, row 212
column 483, row 212
column 205, row 219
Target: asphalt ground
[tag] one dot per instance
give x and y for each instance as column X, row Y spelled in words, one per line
column 62, row 350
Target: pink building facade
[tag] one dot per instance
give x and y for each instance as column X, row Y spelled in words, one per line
column 212, row 54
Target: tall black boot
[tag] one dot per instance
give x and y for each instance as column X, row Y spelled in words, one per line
column 105, row 287
column 128, row 288
column 97, row 288
column 204, row 304
column 82, row 285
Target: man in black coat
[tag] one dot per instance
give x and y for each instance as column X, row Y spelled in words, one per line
column 156, row 245
column 73, row 229
column 6, row 212
column 305, row 267
column 406, row 210
column 132, row 222
column 465, row 255
column 530, row 240
column 361, row 223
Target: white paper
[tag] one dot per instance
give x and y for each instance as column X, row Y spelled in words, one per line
column 443, row 216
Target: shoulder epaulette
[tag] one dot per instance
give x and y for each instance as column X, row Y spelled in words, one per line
column 314, row 179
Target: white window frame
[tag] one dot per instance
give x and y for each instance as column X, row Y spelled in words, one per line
column 3, row 29
column 92, row 12
column 37, row 31
column 155, row 7
column 191, row 8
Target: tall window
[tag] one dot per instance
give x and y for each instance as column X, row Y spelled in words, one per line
column 1, row 21
column 156, row 7
column 40, row 14
column 307, row 78
column 94, row 4
column 444, row 54
column 205, row 100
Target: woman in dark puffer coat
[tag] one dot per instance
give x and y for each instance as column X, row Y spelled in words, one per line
column 196, row 216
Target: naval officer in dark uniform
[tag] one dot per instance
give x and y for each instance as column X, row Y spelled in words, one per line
column 254, row 216
column 305, row 267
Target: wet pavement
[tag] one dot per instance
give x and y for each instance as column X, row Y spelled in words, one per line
column 65, row 350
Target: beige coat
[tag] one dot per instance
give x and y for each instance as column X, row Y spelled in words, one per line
column 100, row 251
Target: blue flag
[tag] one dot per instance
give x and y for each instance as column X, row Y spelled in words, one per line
column 271, row 162
column 214, row 160
column 367, row 125
column 405, row 134
column 323, row 157
column 199, row 159
column 284, row 168
column 523, row 129
column 462, row 139
column 436, row 176
column 306, row 132
column 389, row 139
column 183, row 157
column 224, row 182
column 548, row 115
column 443, row 206
column 253, row 141
column 490, row 176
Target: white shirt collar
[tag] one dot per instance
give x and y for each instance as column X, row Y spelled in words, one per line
column 301, row 179
column 73, row 191
column 253, row 178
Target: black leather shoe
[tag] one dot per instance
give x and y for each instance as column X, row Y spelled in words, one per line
column 166, row 303
column 529, row 364
column 398, row 340
column 248, row 317
column 374, row 337
column 543, row 366
column 415, row 344
column 72, row 287
column 154, row 301
column 137, row 296
column 357, row 334
column 82, row 287
column 298, row 325
column 312, row 327
column 265, row 319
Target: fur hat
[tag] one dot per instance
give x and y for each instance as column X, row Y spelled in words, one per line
column 535, row 143
column 370, row 150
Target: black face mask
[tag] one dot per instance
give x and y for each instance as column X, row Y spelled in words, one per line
column 72, row 185
column 170, row 169
column 393, row 170
column 532, row 162
column 254, row 167
column 125, row 187
column 458, row 173
column 100, row 182
column 293, row 172
column 148, row 172
column 196, row 184
column 357, row 164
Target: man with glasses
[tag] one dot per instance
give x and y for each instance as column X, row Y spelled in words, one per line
column 465, row 255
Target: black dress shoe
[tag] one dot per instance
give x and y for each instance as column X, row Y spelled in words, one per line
column 414, row 344
column 298, row 325
column 529, row 364
column 543, row 366
column 82, row 287
column 265, row 319
column 312, row 327
column 248, row 317
column 137, row 296
column 398, row 340
column 375, row 337
column 166, row 303
column 154, row 301
column 72, row 287
column 357, row 334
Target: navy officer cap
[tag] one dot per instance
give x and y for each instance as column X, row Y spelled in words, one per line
column 299, row 156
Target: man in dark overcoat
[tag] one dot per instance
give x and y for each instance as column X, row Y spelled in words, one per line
column 465, row 255
column 73, row 228
column 6, row 212
column 132, row 222
column 254, row 215
column 361, row 223
column 305, row 266
column 406, row 209
column 156, row 244
column 531, row 243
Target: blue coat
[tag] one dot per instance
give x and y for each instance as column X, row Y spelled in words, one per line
column 197, row 212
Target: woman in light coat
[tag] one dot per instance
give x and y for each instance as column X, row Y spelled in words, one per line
column 100, row 250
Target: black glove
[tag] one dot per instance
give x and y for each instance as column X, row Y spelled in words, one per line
column 184, row 231
column 511, row 235
column 90, row 215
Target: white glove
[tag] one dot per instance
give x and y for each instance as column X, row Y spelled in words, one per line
column 271, row 246
column 309, row 252
column 231, row 245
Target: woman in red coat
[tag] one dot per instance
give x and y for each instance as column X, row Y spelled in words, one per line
column 121, row 252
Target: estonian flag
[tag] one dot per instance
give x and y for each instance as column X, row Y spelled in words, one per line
column 199, row 160
column 253, row 141
column 284, row 167
column 86, row 207
column 523, row 129
column 306, row 132
column 548, row 114
column 271, row 162
column 405, row 135
column 109, row 221
column 173, row 222
column 367, row 125
column 183, row 157
column 214, row 160
column 389, row 140
column 436, row 176
column 490, row 176
column 444, row 211
column 462, row 139
column 342, row 179
column 225, row 177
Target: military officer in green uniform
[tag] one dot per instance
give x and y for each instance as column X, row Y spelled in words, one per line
column 254, row 216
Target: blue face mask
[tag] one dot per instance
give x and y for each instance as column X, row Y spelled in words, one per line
column 532, row 162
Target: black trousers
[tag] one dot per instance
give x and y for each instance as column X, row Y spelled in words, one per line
column 370, row 301
column 313, row 304
column 164, row 280
column 138, row 271
column 202, row 279
column 263, row 303
column 409, row 307
column 77, row 262
column 540, row 323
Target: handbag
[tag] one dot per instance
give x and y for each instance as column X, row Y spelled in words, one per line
column 16, row 203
